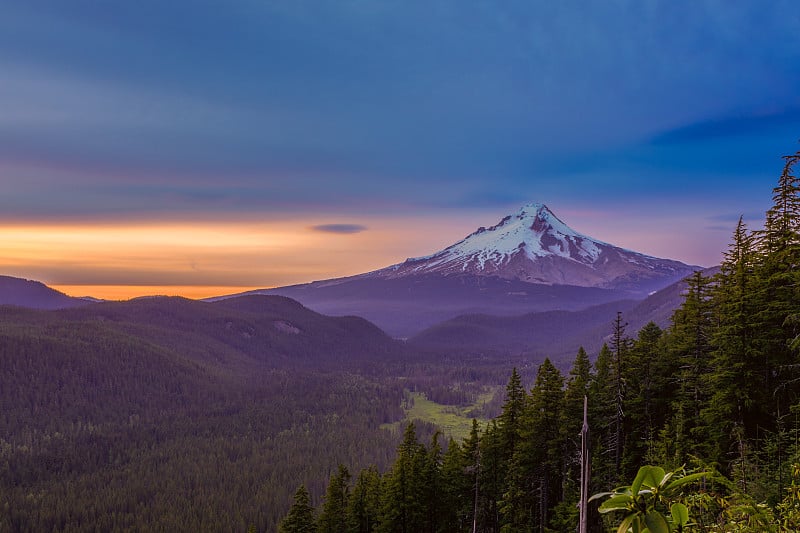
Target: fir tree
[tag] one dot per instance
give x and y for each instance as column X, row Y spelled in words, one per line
column 602, row 415
column 403, row 508
column 619, row 350
column 431, row 485
column 534, row 479
column 301, row 515
column 492, row 476
column 737, row 380
column 333, row 518
column 778, row 288
column 363, row 510
column 473, row 467
column 690, row 342
column 457, row 488
column 645, row 398
column 509, row 421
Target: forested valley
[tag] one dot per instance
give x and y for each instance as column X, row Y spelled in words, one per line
column 166, row 413
column 717, row 392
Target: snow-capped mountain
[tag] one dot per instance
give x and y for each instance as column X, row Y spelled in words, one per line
column 529, row 261
column 535, row 246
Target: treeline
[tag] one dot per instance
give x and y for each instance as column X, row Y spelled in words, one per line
column 718, row 390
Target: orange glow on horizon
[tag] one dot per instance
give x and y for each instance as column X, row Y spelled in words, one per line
column 201, row 259
column 127, row 292
column 123, row 260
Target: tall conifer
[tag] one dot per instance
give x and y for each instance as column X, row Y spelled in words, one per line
column 778, row 276
column 737, row 381
column 645, row 398
column 363, row 511
column 301, row 515
column 509, row 421
column 534, row 484
column 690, row 343
column 333, row 518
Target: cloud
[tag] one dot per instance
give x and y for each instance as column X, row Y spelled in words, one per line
column 734, row 217
column 732, row 126
column 343, row 229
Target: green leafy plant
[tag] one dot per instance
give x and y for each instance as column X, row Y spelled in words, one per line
column 651, row 502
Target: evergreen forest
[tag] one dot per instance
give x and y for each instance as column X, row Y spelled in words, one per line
column 713, row 399
column 172, row 414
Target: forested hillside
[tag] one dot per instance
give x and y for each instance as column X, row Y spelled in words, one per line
column 718, row 390
column 165, row 413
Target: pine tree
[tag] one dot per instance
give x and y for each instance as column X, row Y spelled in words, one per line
column 457, row 488
column 509, row 421
column 778, row 288
column 620, row 345
column 364, row 508
column 737, row 379
column 645, row 398
column 602, row 416
column 431, row 485
column 402, row 507
column 691, row 333
column 534, row 478
column 492, row 477
column 505, row 443
column 473, row 467
column 301, row 515
column 333, row 518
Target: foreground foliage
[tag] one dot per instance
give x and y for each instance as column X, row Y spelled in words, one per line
column 652, row 502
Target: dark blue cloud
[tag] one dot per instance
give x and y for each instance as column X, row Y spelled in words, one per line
column 345, row 229
column 734, row 126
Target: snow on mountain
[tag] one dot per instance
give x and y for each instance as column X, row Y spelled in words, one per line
column 534, row 245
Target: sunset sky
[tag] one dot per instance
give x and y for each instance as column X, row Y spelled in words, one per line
column 206, row 147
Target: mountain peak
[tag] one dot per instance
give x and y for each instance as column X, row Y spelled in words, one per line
column 533, row 207
column 536, row 246
column 533, row 230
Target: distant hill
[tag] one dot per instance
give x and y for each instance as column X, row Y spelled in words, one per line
column 530, row 261
column 271, row 329
column 553, row 334
column 406, row 306
column 34, row 295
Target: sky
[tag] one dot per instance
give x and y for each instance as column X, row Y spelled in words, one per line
column 206, row 147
